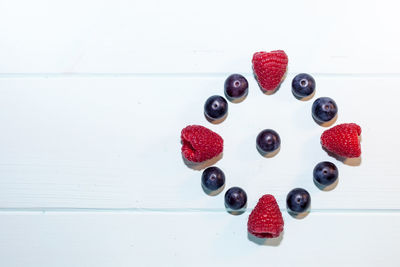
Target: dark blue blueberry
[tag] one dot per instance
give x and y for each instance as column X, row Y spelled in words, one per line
column 268, row 141
column 324, row 109
column 325, row 173
column 215, row 107
column 236, row 86
column 235, row 198
column 213, row 178
column 303, row 85
column 298, row 200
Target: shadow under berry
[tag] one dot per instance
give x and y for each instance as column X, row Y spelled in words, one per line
column 272, row 242
column 201, row 165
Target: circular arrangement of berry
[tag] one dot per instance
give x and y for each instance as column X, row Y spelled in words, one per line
column 200, row 144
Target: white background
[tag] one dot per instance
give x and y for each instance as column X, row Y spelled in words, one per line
column 94, row 94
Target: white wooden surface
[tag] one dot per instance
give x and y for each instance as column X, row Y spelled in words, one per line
column 93, row 96
column 195, row 239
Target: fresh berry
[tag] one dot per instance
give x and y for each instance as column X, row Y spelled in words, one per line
column 268, row 141
column 215, row 107
column 235, row 198
column 325, row 173
column 236, row 86
column 200, row 144
column 343, row 140
column 213, row 178
column 298, row 200
column 324, row 109
column 265, row 221
column 270, row 68
column 303, row 85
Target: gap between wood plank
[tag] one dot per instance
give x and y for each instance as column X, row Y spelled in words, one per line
column 175, row 75
column 180, row 210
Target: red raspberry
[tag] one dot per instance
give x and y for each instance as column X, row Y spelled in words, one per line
column 200, row 144
column 265, row 221
column 343, row 140
column 270, row 68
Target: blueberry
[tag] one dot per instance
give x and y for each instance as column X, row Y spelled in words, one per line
column 236, row 86
column 235, row 198
column 215, row 107
column 303, row 85
column 268, row 141
column 298, row 200
column 213, row 178
column 325, row 173
column 324, row 109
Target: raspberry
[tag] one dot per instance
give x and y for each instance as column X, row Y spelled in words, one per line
column 200, row 144
column 265, row 221
column 270, row 68
column 343, row 140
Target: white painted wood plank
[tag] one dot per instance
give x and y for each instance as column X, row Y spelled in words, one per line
column 184, row 36
column 198, row 239
column 115, row 142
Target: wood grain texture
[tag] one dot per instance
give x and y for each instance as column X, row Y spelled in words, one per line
column 115, row 143
column 93, row 95
column 178, row 36
column 201, row 239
